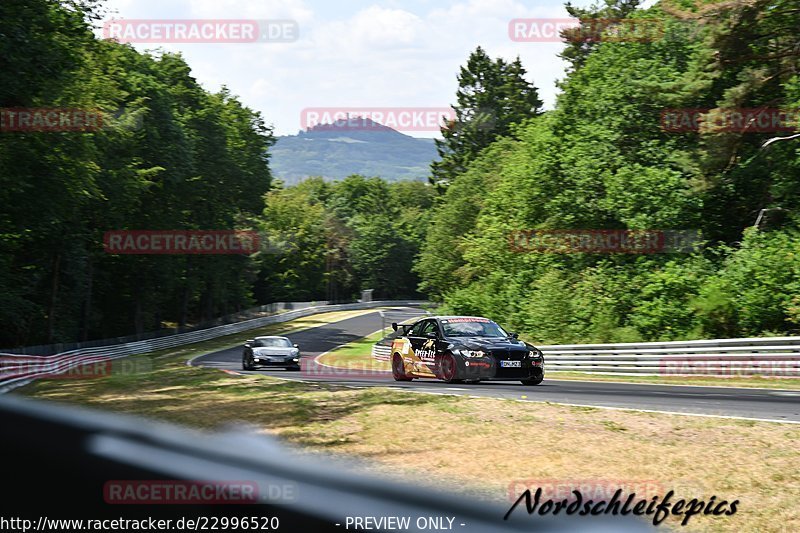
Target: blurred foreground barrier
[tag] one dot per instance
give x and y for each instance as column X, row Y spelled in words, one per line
column 86, row 464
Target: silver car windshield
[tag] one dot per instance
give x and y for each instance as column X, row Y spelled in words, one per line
column 272, row 343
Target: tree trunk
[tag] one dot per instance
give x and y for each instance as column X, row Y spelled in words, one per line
column 51, row 313
column 86, row 312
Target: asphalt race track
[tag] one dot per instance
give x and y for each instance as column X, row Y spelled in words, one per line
column 763, row 404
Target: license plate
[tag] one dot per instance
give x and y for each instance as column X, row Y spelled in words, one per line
column 511, row 363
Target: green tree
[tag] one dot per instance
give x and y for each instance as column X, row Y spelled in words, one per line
column 492, row 95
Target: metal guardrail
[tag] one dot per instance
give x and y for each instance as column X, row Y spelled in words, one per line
column 381, row 352
column 239, row 316
column 17, row 370
column 763, row 356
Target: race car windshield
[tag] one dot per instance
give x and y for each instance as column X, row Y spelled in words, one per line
column 272, row 343
column 473, row 329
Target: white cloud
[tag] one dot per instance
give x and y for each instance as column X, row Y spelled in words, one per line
column 394, row 54
column 369, row 29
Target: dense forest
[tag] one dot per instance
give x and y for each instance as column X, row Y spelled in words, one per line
column 174, row 156
column 602, row 160
column 331, row 240
column 169, row 156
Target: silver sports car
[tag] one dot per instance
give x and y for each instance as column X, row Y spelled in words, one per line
column 270, row 351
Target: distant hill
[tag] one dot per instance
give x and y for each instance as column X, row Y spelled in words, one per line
column 334, row 151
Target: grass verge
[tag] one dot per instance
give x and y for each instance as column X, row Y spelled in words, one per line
column 709, row 381
column 356, row 355
column 453, row 442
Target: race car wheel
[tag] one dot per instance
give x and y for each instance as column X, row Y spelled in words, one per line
column 398, row 370
column 247, row 363
column 448, row 369
column 535, row 381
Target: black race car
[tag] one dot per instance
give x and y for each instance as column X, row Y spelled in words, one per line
column 270, row 351
column 463, row 348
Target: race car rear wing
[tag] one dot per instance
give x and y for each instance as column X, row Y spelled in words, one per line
column 405, row 327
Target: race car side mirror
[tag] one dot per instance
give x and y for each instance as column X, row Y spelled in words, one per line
column 431, row 335
column 514, row 335
column 394, row 326
column 296, row 346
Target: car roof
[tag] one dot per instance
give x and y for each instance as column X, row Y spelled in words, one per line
column 270, row 337
column 449, row 317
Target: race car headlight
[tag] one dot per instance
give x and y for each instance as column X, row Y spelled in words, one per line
column 295, row 352
column 470, row 353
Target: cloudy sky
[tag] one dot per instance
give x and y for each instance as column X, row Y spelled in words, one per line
column 351, row 53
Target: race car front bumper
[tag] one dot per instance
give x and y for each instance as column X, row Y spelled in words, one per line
column 490, row 368
column 276, row 360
